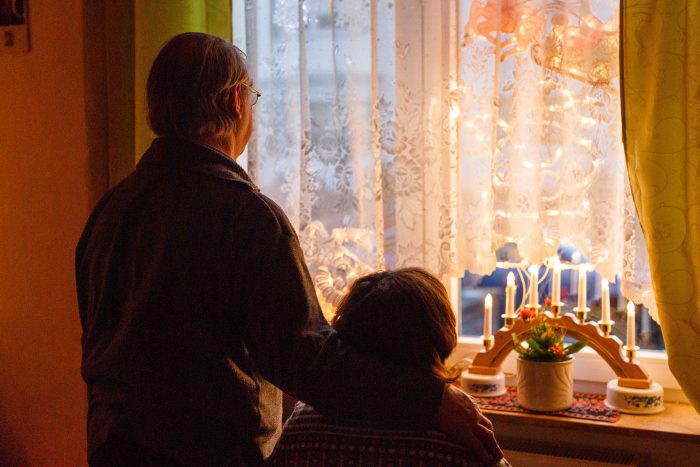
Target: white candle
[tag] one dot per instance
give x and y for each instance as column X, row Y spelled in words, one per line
column 605, row 302
column 556, row 284
column 488, row 307
column 510, row 295
column 630, row 325
column 534, row 299
column 582, row 288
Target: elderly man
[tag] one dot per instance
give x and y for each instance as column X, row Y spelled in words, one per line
column 196, row 304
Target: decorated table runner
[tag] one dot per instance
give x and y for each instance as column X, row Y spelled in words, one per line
column 587, row 406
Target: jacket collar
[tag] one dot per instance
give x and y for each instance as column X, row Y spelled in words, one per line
column 169, row 151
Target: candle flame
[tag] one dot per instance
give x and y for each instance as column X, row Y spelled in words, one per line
column 534, row 270
column 488, row 301
column 604, row 283
column 510, row 279
column 630, row 308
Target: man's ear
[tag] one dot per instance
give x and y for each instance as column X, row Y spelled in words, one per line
column 236, row 100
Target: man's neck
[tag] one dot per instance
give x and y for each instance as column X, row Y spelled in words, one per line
column 224, row 145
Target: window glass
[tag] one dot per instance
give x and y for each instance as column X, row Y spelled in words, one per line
column 475, row 287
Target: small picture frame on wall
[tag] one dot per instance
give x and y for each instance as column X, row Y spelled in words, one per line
column 14, row 27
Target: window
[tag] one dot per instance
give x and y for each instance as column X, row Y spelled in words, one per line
column 379, row 138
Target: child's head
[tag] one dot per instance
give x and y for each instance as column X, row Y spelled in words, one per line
column 403, row 315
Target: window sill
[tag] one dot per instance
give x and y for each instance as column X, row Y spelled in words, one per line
column 669, row 438
column 678, row 422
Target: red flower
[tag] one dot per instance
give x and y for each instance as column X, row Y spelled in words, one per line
column 556, row 350
column 548, row 301
column 527, row 314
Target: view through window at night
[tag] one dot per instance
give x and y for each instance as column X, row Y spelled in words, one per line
column 475, row 287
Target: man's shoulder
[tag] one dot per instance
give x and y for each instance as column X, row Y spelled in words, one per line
column 264, row 209
column 265, row 202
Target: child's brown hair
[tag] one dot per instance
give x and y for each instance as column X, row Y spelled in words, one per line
column 403, row 315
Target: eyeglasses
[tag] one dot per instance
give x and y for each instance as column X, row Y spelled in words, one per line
column 254, row 94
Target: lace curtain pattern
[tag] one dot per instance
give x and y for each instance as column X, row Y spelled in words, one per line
column 541, row 139
column 431, row 133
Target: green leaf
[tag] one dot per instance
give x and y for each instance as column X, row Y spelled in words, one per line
column 516, row 340
column 534, row 345
column 575, row 347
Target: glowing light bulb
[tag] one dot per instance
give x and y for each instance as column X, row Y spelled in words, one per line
column 488, row 309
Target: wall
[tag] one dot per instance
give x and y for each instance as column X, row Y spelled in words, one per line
column 49, row 180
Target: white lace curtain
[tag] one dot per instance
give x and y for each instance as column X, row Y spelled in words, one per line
column 431, row 133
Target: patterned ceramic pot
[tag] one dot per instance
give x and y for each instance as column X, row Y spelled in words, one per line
column 545, row 386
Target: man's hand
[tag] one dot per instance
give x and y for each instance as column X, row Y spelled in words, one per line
column 459, row 417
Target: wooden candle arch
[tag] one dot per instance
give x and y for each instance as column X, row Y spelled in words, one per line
column 629, row 375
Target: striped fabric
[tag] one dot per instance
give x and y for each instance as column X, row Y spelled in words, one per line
column 309, row 439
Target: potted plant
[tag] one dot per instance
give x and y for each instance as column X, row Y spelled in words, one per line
column 545, row 365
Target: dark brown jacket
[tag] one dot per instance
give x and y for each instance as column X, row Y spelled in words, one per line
column 196, row 305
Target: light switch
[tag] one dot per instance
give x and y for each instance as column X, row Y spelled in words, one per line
column 14, row 27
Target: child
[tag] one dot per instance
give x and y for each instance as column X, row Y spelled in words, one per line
column 405, row 316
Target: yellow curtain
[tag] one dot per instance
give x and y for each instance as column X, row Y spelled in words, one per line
column 660, row 60
column 156, row 21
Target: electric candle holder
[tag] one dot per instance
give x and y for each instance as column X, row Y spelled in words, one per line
column 631, row 352
column 639, row 401
column 606, row 327
column 634, row 398
column 483, row 385
column 581, row 314
column 489, row 383
column 632, row 391
column 508, row 320
column 556, row 309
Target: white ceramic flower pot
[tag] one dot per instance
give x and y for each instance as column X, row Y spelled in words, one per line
column 545, row 386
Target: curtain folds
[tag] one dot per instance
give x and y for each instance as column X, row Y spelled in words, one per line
column 541, row 153
column 394, row 136
column 661, row 93
column 541, row 133
column 355, row 137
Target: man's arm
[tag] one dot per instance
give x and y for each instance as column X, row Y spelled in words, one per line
column 460, row 418
column 296, row 349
